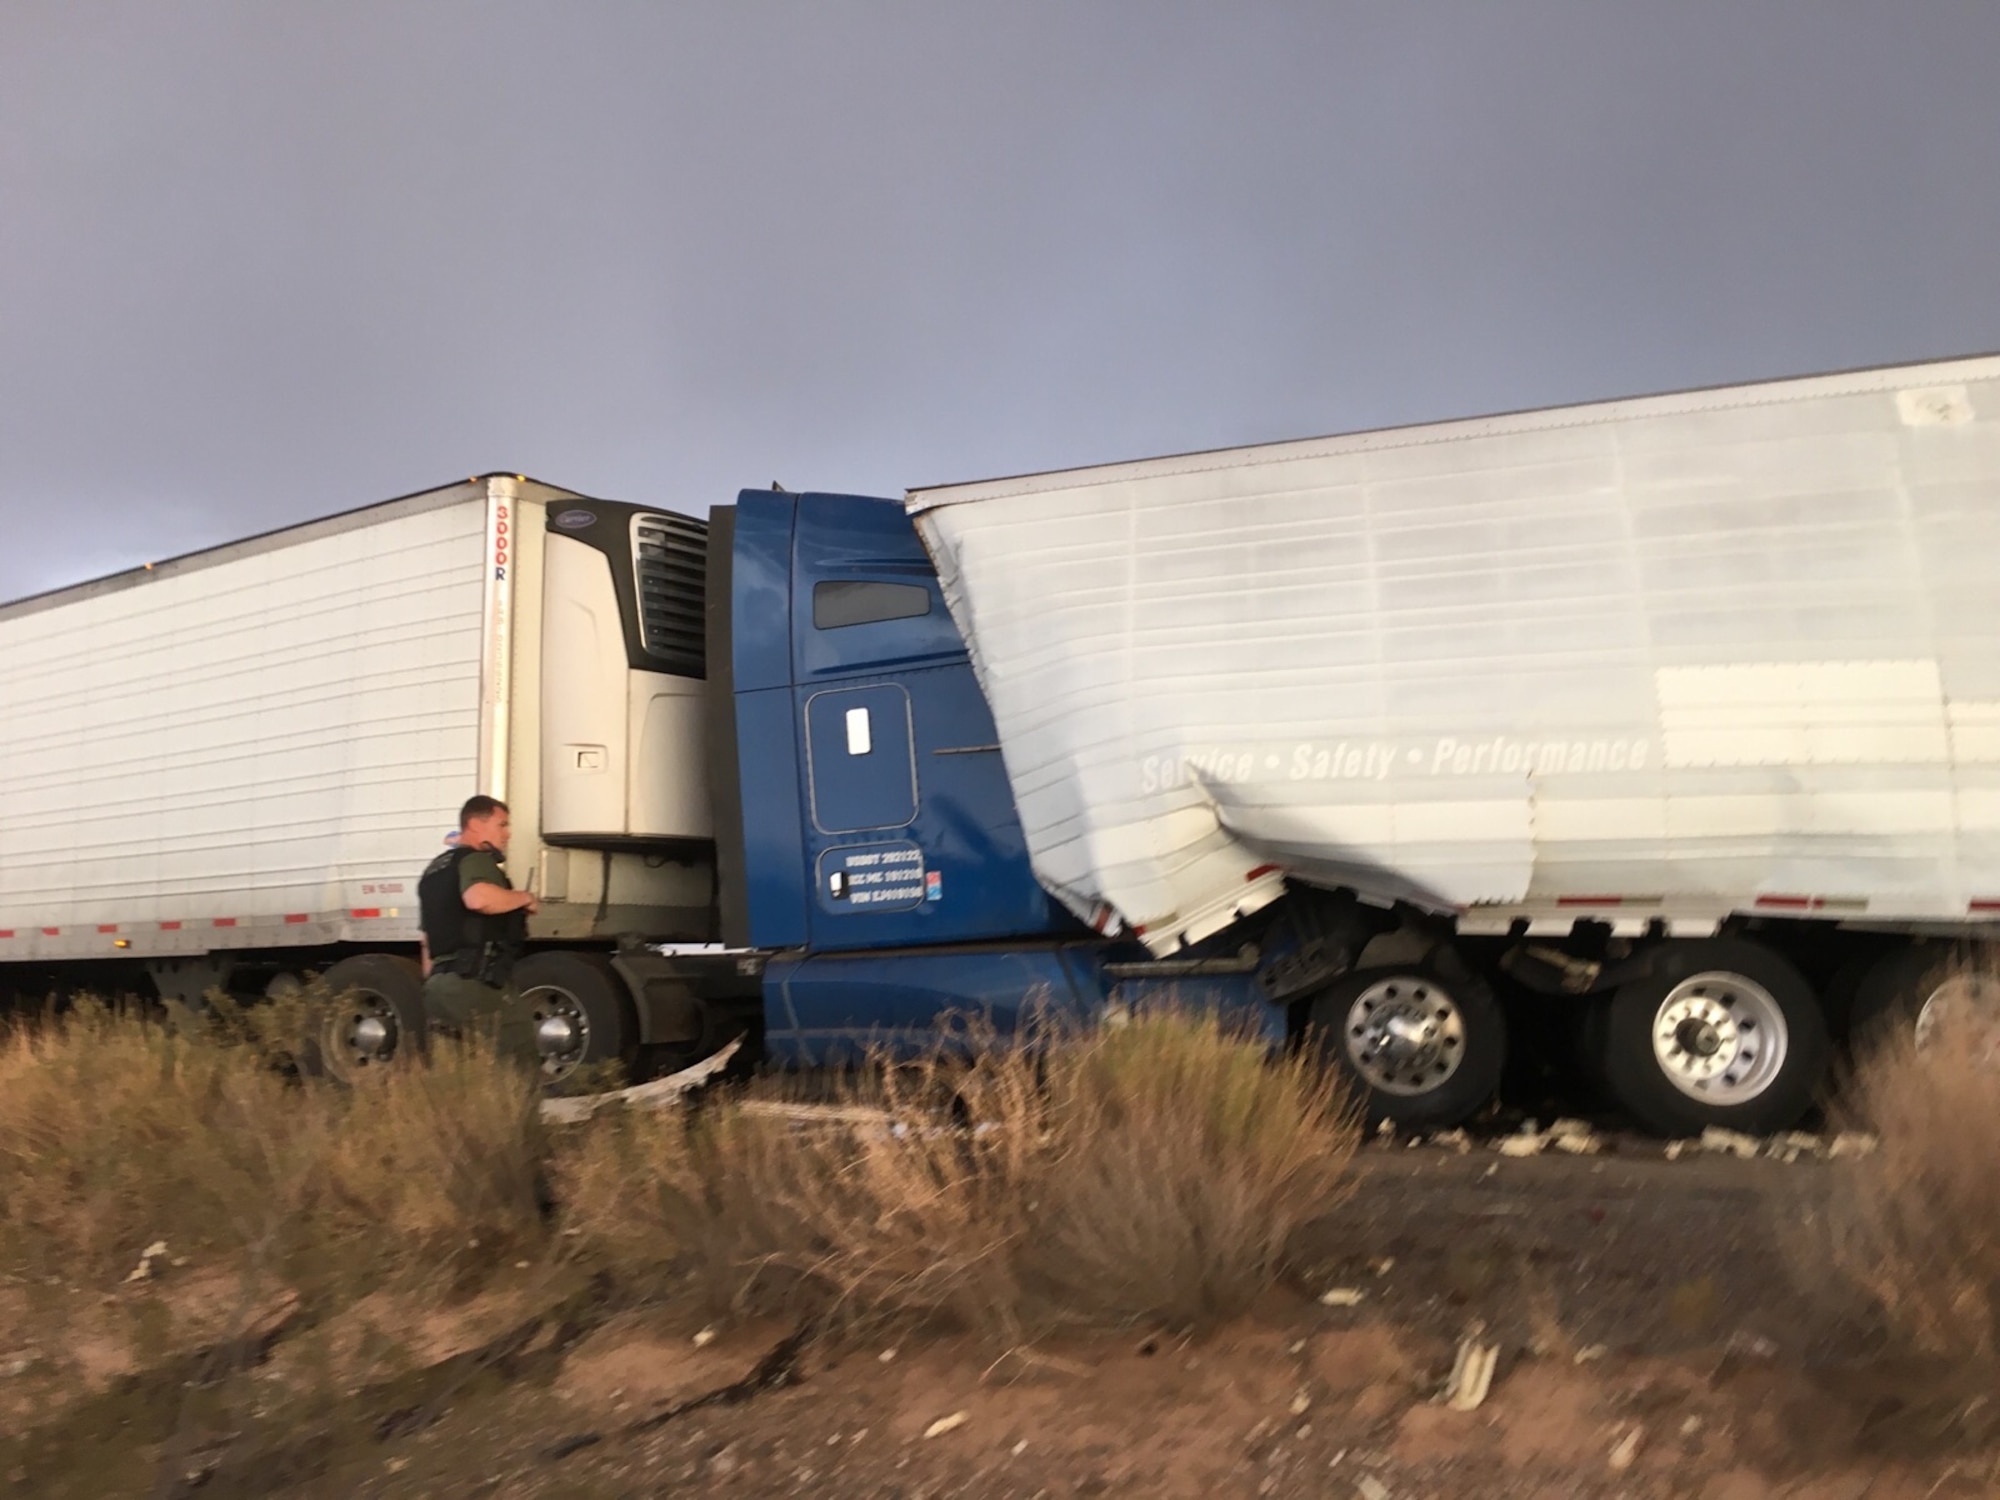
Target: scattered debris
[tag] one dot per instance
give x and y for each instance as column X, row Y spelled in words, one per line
column 1851, row 1143
column 144, row 1270
column 1341, row 1296
column 1575, row 1137
column 1383, row 1266
column 1691, row 1426
column 658, row 1094
column 948, row 1424
column 1528, row 1142
column 19, row 1364
column 887, row 1356
column 1730, row 1143
column 1471, row 1372
column 1368, row 1487
column 1453, row 1140
column 1627, row 1449
column 1674, row 1149
column 1301, row 1404
column 1020, row 1448
column 704, row 1338
column 1589, row 1354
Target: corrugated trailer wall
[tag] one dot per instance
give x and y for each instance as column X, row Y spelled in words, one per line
column 274, row 736
column 1678, row 656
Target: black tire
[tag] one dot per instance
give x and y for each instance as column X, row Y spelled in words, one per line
column 584, row 993
column 376, row 1016
column 1730, row 996
column 1447, row 1077
column 1891, row 995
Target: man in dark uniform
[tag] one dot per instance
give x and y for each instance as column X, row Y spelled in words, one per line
column 475, row 924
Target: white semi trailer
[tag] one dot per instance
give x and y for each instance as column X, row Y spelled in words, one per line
column 228, row 769
column 1687, row 707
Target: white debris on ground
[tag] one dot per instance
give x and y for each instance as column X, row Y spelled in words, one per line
column 947, row 1424
column 658, row 1094
column 1471, row 1372
column 1627, row 1449
column 1572, row 1137
column 1341, row 1296
column 1731, row 1143
column 144, row 1270
column 1580, row 1138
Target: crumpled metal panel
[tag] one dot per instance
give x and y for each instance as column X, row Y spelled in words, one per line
column 1683, row 652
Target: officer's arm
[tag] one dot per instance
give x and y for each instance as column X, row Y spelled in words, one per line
column 424, row 954
column 495, row 901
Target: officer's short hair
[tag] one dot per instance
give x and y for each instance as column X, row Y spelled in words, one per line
column 481, row 806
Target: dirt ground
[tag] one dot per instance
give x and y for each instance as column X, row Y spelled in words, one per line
column 1655, row 1336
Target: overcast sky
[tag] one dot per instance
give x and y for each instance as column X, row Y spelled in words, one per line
column 261, row 262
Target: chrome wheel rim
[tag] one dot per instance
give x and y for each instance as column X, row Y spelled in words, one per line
column 1405, row 1035
column 364, row 1032
column 562, row 1030
column 1964, row 1008
column 1720, row 1038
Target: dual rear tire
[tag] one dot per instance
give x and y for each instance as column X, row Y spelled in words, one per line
column 575, row 1002
column 1722, row 1032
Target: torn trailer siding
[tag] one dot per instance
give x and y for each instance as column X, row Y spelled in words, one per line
column 1684, row 654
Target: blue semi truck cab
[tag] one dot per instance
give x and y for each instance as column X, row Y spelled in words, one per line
column 872, row 870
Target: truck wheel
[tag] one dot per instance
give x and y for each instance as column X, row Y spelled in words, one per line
column 1919, row 988
column 577, row 1006
column 1419, row 1050
column 1724, row 1033
column 377, row 1016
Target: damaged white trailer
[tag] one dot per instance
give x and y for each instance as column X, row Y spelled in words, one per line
column 1609, row 680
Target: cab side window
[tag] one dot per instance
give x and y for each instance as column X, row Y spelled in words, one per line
column 842, row 602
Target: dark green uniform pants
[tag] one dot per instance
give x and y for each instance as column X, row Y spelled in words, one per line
column 464, row 1007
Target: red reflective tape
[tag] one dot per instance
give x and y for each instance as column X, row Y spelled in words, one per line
column 170, row 927
column 296, row 917
column 1985, row 905
column 6, row 932
column 1787, row 903
column 1140, row 930
column 225, row 921
column 1261, row 871
column 51, row 932
column 103, row 927
column 362, row 913
column 1589, row 900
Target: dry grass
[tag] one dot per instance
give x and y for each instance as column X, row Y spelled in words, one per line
column 1151, row 1172
column 1915, row 1225
column 118, row 1131
column 1155, row 1171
